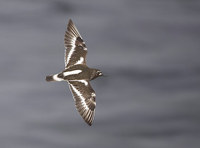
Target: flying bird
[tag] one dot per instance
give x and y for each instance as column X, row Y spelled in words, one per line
column 78, row 74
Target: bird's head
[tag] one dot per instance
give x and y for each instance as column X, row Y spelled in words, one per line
column 96, row 73
column 99, row 73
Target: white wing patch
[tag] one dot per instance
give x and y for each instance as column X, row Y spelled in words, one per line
column 56, row 78
column 72, row 72
column 83, row 81
column 80, row 95
column 93, row 95
column 80, row 61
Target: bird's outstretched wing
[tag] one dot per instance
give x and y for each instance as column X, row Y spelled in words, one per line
column 75, row 48
column 84, row 97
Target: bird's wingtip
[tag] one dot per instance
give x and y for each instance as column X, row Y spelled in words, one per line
column 70, row 21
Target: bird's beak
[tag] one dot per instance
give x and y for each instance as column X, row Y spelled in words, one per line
column 104, row 75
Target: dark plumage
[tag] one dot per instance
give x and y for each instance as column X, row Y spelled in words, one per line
column 78, row 74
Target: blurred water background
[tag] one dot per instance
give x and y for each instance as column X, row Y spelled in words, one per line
column 148, row 48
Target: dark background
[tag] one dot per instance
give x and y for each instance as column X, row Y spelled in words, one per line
column 148, row 48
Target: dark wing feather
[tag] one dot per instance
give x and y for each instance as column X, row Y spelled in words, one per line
column 75, row 48
column 84, row 97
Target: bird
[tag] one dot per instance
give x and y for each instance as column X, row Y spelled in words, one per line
column 78, row 74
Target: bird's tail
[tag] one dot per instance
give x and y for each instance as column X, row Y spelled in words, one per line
column 56, row 77
column 49, row 78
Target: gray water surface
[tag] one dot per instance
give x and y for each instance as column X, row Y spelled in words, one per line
column 149, row 50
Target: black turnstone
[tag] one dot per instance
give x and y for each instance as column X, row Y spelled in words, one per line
column 78, row 74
